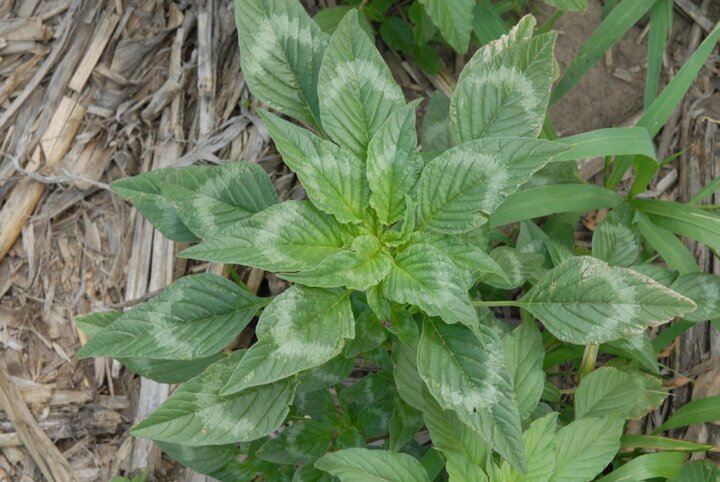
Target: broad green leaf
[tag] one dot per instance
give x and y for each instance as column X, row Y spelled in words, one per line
column 460, row 469
column 408, row 383
column 330, row 373
column 540, row 446
column 504, row 90
column 702, row 471
column 649, row 466
column 451, row 435
column 365, row 264
column 163, row 371
column 291, row 236
column 423, row 276
column 515, row 268
column 369, row 334
column 614, row 239
column 196, row 413
column 357, row 89
column 367, row 390
column 302, row 328
column 373, row 420
column 657, row 272
column 364, row 465
column 308, row 472
column 453, row 19
column 655, row 442
column 329, row 18
column 610, row 391
column 638, row 348
column 195, row 317
column 316, row 404
column 546, row 200
column 704, row 290
column 569, row 5
column 205, row 460
column 584, row 300
column 459, row 189
column 525, row 352
column 683, row 219
column 224, row 196
column 468, row 373
column 698, row 411
column 405, row 422
column 333, row 178
column 393, row 164
column 281, row 50
column 585, row 447
column 437, row 134
column 301, row 442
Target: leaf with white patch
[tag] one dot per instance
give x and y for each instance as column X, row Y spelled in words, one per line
column 358, row 89
column 586, row 301
column 327, row 374
column 614, row 239
column 362, row 266
column 405, row 422
column 704, row 290
column 504, row 89
column 196, row 413
column 224, row 196
column 638, row 348
column 369, row 334
column 453, row 19
column 408, row 383
column 281, row 51
column 291, row 236
column 301, row 442
column 205, row 460
column 525, row 355
column 333, row 178
column 393, row 164
column 540, row 445
column 302, row 328
column 423, row 276
column 437, row 134
column 515, row 267
column 460, row 469
column 367, row 390
column 364, row 465
column 195, row 317
column 611, row 391
column 459, row 189
column 468, row 373
column 585, row 447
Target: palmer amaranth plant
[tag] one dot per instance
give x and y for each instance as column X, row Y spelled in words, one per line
column 384, row 360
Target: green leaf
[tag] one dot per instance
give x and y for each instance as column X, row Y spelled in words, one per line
column 362, row 266
column 301, row 442
column 655, row 442
column 393, row 164
column 364, row 465
column 369, row 334
column 698, row 411
column 704, row 290
column 329, row 18
column 358, row 89
column 453, row 19
column 468, row 373
column 423, row 29
column 374, row 420
column 423, row 276
column 460, row 469
column 196, row 413
column 543, row 201
column 408, row 383
column 405, row 422
column 515, row 268
column 585, row 447
column 368, row 390
column 525, row 352
column 281, row 50
column 451, row 435
column 302, row 328
column 666, row 465
column 504, row 90
column 291, row 236
column 569, row 5
column 540, row 445
column 459, row 189
column 625, row 393
column 672, row 250
column 610, row 30
column 683, row 219
column 614, row 239
column 613, row 141
column 163, row 371
column 638, row 348
column 437, row 134
column 205, row 460
column 660, row 31
column 699, row 472
column 308, row 472
column 330, row 373
column 398, row 34
column 488, row 24
column 224, row 196
column 586, row 301
column 333, row 178
column 195, row 317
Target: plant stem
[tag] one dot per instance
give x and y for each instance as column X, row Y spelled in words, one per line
column 497, row 303
column 588, row 361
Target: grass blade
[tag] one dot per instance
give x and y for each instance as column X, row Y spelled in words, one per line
column 700, row 411
column 614, row 141
column 660, row 26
